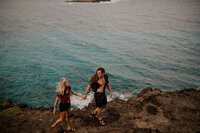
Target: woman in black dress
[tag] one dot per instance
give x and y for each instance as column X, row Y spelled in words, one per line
column 99, row 82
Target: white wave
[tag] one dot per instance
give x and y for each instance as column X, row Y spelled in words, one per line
column 66, row 3
column 69, row 2
column 112, row 1
column 81, row 103
column 121, row 95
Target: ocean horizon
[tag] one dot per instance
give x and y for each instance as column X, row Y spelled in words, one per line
column 140, row 43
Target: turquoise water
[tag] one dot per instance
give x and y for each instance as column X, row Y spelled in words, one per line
column 139, row 43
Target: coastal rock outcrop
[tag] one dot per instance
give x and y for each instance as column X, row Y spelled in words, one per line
column 152, row 111
column 87, row 0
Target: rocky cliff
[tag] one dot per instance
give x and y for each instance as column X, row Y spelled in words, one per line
column 152, row 111
column 87, row 0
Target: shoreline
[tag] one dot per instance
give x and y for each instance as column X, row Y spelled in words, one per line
column 153, row 110
column 88, row 1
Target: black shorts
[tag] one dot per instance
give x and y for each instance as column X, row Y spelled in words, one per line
column 100, row 99
column 64, row 106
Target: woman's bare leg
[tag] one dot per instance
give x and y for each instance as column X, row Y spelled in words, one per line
column 99, row 117
column 99, row 113
column 95, row 111
column 68, row 118
column 62, row 115
column 69, row 112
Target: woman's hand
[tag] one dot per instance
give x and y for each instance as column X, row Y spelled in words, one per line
column 84, row 97
column 54, row 111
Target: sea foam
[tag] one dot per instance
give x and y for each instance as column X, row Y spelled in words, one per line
column 80, row 103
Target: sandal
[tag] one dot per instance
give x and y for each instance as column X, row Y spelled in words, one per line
column 71, row 130
column 102, row 122
column 94, row 115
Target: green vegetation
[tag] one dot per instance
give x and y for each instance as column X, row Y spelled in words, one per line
column 12, row 111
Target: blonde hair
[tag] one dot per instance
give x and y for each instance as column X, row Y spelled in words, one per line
column 61, row 86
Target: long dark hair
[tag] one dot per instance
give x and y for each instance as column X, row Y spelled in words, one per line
column 95, row 77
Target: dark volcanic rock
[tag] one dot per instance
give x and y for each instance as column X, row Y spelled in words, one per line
column 87, row 0
column 145, row 90
column 22, row 105
column 152, row 111
column 5, row 105
column 57, row 129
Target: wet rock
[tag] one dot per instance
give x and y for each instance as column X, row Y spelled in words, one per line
column 144, row 91
column 22, row 105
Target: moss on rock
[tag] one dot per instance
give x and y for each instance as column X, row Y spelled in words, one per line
column 12, row 111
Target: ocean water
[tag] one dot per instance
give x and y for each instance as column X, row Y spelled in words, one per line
column 140, row 43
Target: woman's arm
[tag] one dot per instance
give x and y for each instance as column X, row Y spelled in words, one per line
column 86, row 91
column 55, row 104
column 75, row 93
column 109, row 88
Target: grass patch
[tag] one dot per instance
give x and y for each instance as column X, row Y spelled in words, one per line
column 12, row 111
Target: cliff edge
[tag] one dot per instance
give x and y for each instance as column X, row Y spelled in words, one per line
column 152, row 111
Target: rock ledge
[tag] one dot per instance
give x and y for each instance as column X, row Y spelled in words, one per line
column 152, row 111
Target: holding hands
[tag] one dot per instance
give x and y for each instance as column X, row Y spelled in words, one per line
column 84, row 97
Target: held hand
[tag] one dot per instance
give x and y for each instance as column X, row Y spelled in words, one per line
column 84, row 96
column 54, row 111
